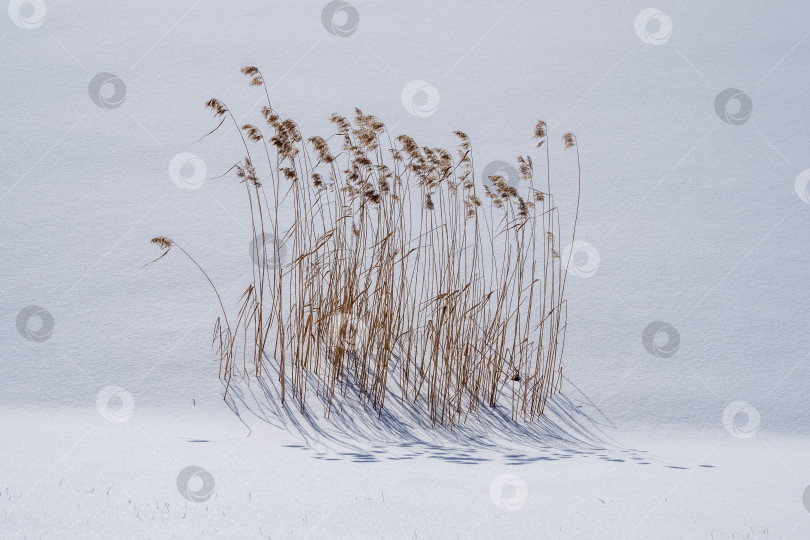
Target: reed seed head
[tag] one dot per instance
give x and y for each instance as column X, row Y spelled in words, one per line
column 540, row 130
column 322, row 149
column 217, row 106
column 569, row 140
column 252, row 132
column 256, row 75
column 356, row 251
column 342, row 124
column 270, row 116
column 162, row 242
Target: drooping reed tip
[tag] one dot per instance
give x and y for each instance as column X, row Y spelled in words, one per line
column 252, row 132
column 217, row 106
column 162, row 242
column 569, row 140
column 252, row 71
column 540, row 130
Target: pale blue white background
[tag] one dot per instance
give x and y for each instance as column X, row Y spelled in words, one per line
column 696, row 222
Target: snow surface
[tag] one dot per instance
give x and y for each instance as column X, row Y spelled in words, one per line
column 696, row 222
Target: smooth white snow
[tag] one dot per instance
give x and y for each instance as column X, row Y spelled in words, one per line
column 688, row 219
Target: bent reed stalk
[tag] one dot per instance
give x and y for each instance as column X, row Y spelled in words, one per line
column 394, row 276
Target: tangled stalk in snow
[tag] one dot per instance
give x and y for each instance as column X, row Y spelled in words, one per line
column 394, row 276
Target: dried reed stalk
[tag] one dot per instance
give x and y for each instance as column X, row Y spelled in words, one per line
column 393, row 274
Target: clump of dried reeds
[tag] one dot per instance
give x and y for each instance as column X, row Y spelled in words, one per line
column 397, row 275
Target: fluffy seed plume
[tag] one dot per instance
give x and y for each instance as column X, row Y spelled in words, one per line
column 381, row 275
column 526, row 167
column 162, row 242
column 270, row 116
column 343, row 125
column 217, row 106
column 321, row 148
column 569, row 140
column 540, row 132
column 252, row 132
column 256, row 75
